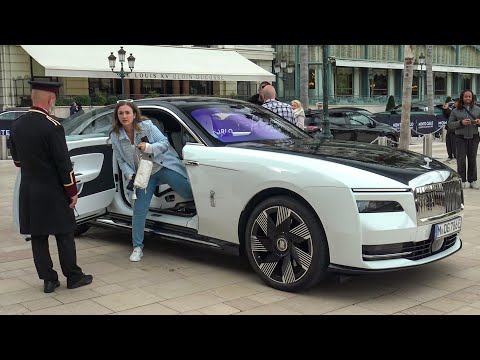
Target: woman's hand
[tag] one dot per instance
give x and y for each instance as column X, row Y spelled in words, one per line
column 142, row 146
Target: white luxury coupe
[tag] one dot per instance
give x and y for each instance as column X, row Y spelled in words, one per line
column 295, row 205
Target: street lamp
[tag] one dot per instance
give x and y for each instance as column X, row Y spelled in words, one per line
column 326, row 133
column 421, row 62
column 121, row 58
column 279, row 68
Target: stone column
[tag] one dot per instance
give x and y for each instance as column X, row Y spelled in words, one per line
column 176, row 87
column 185, row 87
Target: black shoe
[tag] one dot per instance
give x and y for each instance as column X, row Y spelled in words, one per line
column 87, row 279
column 49, row 286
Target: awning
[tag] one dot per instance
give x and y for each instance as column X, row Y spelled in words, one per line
column 151, row 62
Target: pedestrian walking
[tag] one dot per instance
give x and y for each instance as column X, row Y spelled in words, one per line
column 48, row 191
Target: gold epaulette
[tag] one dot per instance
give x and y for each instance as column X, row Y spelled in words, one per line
column 52, row 120
column 55, row 122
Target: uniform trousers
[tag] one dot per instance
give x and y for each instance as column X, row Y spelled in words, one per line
column 67, row 255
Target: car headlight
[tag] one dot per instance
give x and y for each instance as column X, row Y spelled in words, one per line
column 367, row 206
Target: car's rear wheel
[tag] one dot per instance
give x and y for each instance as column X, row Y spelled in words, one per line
column 81, row 229
column 286, row 244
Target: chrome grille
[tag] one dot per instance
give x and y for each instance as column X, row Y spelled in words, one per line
column 438, row 199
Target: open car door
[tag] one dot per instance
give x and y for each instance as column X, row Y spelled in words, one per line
column 93, row 168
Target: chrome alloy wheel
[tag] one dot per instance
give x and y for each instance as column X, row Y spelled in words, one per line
column 281, row 244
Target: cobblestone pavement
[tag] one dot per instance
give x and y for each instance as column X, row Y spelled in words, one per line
column 174, row 278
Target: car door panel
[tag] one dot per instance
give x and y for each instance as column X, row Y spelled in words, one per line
column 340, row 129
column 93, row 168
column 215, row 183
column 92, row 157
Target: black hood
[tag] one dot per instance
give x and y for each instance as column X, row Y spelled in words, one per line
column 399, row 165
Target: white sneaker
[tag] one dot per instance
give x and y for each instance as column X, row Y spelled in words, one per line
column 136, row 254
column 474, row 185
column 464, row 185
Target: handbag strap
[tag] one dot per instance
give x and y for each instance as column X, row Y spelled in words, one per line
column 469, row 113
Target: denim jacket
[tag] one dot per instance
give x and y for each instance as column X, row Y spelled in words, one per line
column 163, row 153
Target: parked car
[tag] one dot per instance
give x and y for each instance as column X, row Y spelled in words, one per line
column 6, row 119
column 294, row 205
column 350, row 124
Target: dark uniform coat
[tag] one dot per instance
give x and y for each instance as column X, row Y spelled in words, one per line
column 39, row 148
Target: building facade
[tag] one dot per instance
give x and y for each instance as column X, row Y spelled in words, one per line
column 368, row 74
column 356, row 74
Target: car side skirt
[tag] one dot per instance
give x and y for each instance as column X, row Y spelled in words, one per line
column 169, row 232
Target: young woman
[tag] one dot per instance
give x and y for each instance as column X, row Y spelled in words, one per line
column 128, row 130
column 465, row 120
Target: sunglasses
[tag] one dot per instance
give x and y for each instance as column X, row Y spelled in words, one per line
column 125, row 100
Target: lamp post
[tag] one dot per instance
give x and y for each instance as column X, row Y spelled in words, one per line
column 421, row 61
column 326, row 134
column 121, row 58
column 279, row 69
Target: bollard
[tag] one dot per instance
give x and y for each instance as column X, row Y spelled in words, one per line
column 3, row 147
column 444, row 134
column 427, row 145
column 382, row 140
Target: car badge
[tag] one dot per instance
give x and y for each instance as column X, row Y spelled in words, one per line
column 427, row 166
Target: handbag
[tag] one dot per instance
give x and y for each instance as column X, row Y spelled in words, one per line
column 144, row 170
column 143, row 173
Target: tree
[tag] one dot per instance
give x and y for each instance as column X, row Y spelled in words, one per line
column 303, row 60
column 390, row 103
column 429, row 61
column 406, row 98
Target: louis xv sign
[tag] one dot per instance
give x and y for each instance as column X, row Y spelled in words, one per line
column 163, row 76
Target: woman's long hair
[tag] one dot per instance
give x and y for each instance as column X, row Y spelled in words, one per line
column 117, row 125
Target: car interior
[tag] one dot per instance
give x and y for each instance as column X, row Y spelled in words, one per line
column 166, row 200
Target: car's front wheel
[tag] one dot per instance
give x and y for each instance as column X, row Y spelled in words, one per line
column 286, row 244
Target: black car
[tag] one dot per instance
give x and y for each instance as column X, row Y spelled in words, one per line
column 6, row 120
column 350, row 124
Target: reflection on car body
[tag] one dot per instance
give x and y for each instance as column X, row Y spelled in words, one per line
column 294, row 205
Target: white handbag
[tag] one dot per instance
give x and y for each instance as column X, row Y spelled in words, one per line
column 143, row 172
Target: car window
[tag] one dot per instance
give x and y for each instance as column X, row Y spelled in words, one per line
column 74, row 125
column 359, row 120
column 19, row 113
column 100, row 125
column 237, row 123
column 8, row 116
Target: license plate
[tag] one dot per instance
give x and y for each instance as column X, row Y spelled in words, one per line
column 448, row 227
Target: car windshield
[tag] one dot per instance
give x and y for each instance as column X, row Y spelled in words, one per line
column 242, row 122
